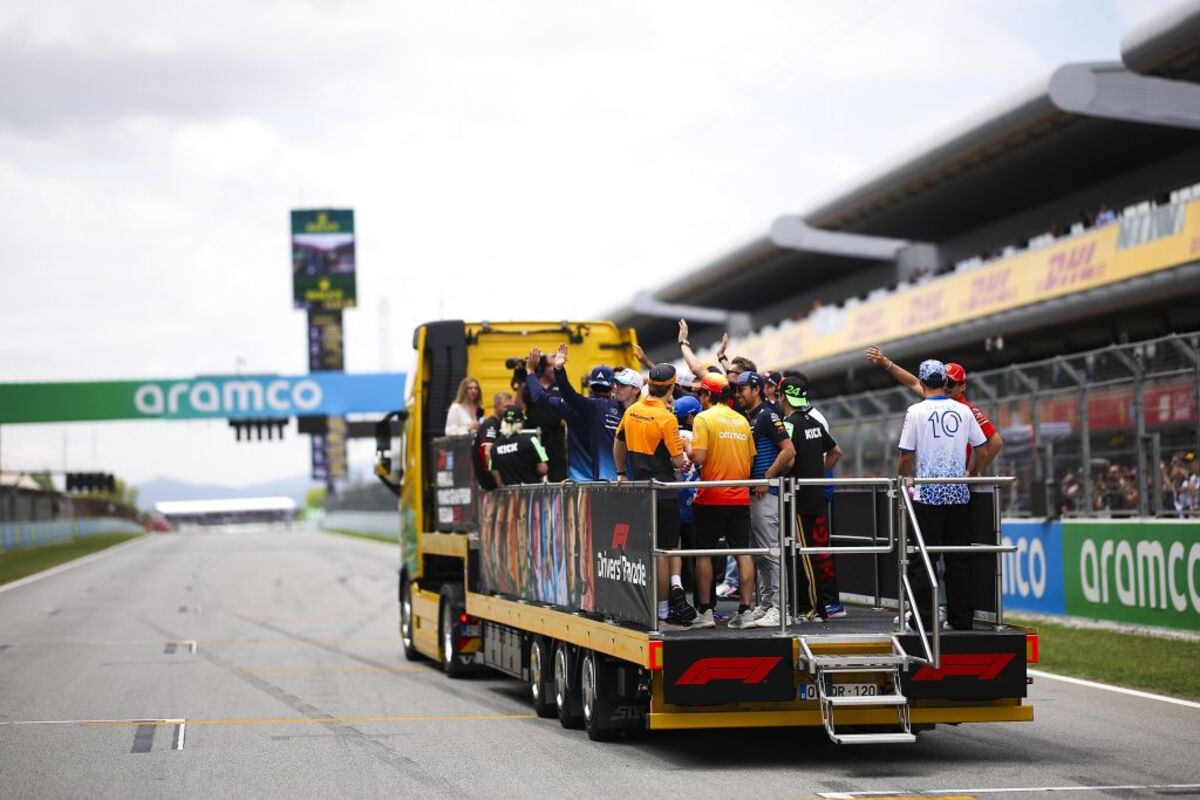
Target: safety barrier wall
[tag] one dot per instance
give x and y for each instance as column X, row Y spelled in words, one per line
column 378, row 523
column 21, row 535
column 1140, row 572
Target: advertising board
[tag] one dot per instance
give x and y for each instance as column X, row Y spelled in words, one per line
column 323, row 259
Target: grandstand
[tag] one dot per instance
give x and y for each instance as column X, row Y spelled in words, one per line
column 1060, row 227
column 1044, row 226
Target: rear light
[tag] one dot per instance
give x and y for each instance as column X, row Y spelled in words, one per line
column 655, row 654
column 1031, row 648
column 465, row 618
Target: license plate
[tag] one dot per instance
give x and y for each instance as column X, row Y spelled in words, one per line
column 808, row 691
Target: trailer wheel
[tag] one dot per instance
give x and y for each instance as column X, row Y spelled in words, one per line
column 597, row 684
column 566, row 689
column 452, row 605
column 406, row 621
column 541, row 677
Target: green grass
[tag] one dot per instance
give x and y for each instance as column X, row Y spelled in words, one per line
column 17, row 564
column 1151, row 663
column 374, row 537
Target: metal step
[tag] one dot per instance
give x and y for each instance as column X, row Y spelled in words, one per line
column 878, row 661
column 873, row 738
column 870, row 700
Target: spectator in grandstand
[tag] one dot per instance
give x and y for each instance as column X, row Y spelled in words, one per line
column 598, row 415
column 485, row 439
column 517, row 457
column 723, row 449
column 648, row 436
column 545, row 417
column 465, row 412
column 1069, row 493
column 816, row 453
column 773, row 457
column 935, row 434
column 1105, row 215
column 955, row 387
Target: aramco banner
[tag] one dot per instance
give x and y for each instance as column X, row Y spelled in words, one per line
column 320, row 394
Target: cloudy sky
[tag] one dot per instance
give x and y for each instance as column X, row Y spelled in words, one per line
column 150, row 152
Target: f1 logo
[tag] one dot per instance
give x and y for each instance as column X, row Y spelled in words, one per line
column 984, row 666
column 620, row 536
column 748, row 670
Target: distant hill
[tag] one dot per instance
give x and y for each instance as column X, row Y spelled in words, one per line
column 159, row 489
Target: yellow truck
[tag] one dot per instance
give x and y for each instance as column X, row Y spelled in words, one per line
column 554, row 584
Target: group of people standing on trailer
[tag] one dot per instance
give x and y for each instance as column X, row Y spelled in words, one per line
column 728, row 422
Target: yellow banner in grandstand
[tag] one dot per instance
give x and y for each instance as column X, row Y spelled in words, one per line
column 1074, row 265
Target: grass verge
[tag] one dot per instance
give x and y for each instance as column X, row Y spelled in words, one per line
column 17, row 564
column 1136, row 661
column 374, row 537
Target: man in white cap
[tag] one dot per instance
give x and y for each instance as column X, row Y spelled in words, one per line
column 935, row 435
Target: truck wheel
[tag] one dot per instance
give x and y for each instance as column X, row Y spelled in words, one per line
column 566, row 689
column 452, row 605
column 597, row 685
column 406, row 622
column 541, row 677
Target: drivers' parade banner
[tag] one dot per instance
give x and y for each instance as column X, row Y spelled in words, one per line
column 1075, row 264
column 230, row 396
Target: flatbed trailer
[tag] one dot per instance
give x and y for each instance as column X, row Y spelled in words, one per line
column 601, row 660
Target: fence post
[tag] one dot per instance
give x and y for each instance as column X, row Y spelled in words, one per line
column 1085, row 437
column 1136, row 369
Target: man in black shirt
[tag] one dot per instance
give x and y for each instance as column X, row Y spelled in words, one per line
column 485, row 439
column 517, row 457
column 816, row 453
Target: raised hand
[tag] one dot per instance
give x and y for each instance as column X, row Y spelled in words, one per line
column 531, row 363
column 724, row 344
column 876, row 356
column 560, row 356
column 683, row 331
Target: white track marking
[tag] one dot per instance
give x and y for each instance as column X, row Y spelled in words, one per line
column 95, row 722
column 177, row 742
column 1012, row 790
column 69, row 565
column 1037, row 673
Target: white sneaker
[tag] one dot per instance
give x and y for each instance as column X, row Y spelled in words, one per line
column 743, row 619
column 726, row 590
column 704, row 620
column 769, row 619
column 759, row 612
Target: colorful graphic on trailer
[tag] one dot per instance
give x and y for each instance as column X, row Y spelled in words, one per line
column 579, row 547
column 323, row 261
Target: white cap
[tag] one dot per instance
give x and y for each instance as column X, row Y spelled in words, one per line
column 630, row 377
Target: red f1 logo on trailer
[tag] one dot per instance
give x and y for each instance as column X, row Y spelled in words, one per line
column 750, row 670
column 620, row 536
column 984, row 666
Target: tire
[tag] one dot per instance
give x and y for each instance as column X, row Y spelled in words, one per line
column 541, row 677
column 406, row 622
column 451, row 606
column 566, row 688
column 597, row 687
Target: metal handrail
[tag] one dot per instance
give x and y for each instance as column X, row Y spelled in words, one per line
column 936, row 653
column 978, row 480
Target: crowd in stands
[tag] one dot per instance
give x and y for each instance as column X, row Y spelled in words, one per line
column 1116, row 490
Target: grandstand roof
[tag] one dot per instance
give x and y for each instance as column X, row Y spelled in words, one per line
column 1015, row 155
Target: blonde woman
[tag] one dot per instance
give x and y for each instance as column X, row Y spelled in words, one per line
column 464, row 413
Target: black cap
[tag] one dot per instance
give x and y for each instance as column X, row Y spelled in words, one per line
column 795, row 392
column 750, row 379
column 513, row 414
column 662, row 374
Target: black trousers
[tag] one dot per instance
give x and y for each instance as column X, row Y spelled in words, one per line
column 689, row 570
column 813, row 594
column 944, row 525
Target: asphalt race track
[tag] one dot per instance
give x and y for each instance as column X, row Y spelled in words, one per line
column 267, row 664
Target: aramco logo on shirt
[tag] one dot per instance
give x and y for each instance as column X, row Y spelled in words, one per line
column 228, row 397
